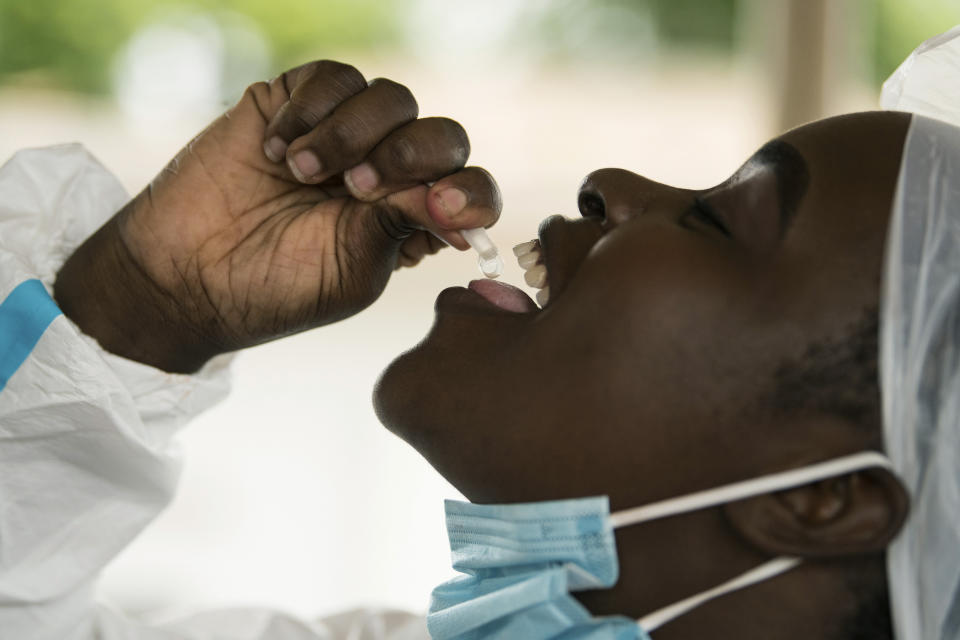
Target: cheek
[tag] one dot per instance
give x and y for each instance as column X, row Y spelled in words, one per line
column 665, row 292
column 649, row 355
column 663, row 319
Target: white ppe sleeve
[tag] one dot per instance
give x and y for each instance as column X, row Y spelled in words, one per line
column 87, row 455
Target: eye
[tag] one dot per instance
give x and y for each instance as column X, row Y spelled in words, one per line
column 702, row 212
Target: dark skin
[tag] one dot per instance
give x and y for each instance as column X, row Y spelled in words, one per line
column 231, row 245
column 644, row 377
column 641, row 378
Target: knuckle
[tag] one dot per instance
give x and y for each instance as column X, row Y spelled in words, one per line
column 342, row 75
column 396, row 94
column 257, row 91
column 453, row 137
column 258, row 94
column 340, row 133
column 403, row 156
column 486, row 184
column 481, row 175
column 302, row 110
column 301, row 115
column 459, row 141
column 343, row 136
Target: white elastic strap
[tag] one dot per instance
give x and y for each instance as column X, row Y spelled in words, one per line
column 749, row 488
column 731, row 493
column 764, row 572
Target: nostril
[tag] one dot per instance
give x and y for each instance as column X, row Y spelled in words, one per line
column 591, row 205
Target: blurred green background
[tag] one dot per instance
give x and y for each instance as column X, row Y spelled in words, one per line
column 71, row 45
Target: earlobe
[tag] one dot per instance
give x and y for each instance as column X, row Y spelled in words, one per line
column 856, row 513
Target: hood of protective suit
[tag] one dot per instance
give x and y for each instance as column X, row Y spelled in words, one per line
column 920, row 342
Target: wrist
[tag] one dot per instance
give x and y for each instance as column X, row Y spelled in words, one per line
column 105, row 292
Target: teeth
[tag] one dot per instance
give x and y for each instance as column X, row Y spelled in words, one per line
column 542, row 296
column 536, row 276
column 528, row 260
column 535, row 272
column 525, row 247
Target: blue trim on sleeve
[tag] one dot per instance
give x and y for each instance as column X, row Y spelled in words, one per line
column 24, row 316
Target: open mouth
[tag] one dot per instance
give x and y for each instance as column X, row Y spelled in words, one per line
column 548, row 262
column 504, row 296
column 510, row 298
column 530, row 258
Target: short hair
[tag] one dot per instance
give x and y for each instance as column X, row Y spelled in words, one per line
column 840, row 377
column 870, row 619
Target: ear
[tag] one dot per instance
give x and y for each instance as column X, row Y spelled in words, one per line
column 856, row 513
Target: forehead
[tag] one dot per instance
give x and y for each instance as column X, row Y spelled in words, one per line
column 850, row 148
column 853, row 162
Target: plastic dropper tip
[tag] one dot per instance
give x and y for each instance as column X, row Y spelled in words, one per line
column 491, row 267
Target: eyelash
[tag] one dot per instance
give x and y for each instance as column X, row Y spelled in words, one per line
column 706, row 213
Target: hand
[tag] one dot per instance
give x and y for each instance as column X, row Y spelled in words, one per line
column 289, row 212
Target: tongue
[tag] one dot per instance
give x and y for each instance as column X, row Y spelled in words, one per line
column 503, row 295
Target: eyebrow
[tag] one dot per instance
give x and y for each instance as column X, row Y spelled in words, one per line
column 793, row 176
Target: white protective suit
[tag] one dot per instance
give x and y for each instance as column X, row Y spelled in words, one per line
column 87, row 457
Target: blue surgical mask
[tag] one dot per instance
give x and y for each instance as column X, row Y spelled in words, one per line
column 522, row 561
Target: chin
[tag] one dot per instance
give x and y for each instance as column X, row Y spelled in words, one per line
column 392, row 397
column 404, row 395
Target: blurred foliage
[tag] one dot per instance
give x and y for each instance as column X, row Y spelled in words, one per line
column 903, row 24
column 632, row 30
column 72, row 43
column 581, row 29
column 696, row 23
column 73, row 46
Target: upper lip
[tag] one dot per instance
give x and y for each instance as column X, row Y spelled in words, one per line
column 548, row 229
column 564, row 244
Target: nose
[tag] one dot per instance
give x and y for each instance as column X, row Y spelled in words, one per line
column 615, row 196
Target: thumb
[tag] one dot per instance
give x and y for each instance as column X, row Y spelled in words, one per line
column 467, row 199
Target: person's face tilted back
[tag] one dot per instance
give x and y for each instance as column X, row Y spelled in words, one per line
column 672, row 318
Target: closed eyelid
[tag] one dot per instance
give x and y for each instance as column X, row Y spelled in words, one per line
column 709, row 213
column 791, row 173
column 772, row 184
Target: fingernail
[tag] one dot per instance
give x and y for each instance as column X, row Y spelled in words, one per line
column 362, row 178
column 275, row 148
column 304, row 165
column 452, row 201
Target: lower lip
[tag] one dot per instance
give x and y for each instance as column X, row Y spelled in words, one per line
column 459, row 299
column 503, row 296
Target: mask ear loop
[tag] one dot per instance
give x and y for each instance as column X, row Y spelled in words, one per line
column 766, row 571
column 731, row 493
